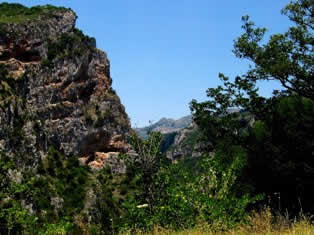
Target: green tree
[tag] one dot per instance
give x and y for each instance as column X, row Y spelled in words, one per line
column 178, row 196
column 142, row 169
column 288, row 57
column 276, row 132
column 146, row 164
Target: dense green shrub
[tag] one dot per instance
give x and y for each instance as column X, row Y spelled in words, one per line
column 178, row 196
column 57, row 177
column 69, row 45
column 68, row 179
column 15, row 219
column 281, row 152
column 107, row 209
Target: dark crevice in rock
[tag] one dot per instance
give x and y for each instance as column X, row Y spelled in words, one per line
column 28, row 56
column 87, row 91
column 55, row 98
column 82, row 73
column 66, row 83
column 21, row 53
column 95, row 142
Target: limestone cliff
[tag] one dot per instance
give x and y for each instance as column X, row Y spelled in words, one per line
column 55, row 90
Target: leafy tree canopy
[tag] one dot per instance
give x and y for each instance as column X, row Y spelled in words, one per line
column 279, row 143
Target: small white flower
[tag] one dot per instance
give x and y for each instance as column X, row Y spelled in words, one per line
column 142, row 206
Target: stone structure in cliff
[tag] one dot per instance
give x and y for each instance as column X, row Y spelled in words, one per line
column 55, row 90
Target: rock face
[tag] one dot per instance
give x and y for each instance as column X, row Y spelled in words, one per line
column 55, row 90
column 181, row 137
column 186, row 144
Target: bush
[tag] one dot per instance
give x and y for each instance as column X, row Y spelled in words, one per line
column 178, row 197
column 68, row 45
column 68, row 178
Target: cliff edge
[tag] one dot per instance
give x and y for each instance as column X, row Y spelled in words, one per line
column 55, row 90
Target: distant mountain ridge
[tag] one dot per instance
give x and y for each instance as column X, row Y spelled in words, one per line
column 166, row 125
column 181, row 137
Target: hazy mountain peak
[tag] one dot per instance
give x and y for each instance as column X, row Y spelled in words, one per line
column 166, row 125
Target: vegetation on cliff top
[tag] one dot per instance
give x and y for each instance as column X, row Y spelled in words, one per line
column 17, row 13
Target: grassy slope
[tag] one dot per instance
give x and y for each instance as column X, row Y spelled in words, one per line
column 263, row 223
column 17, row 13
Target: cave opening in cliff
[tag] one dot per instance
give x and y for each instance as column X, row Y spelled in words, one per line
column 29, row 56
column 96, row 142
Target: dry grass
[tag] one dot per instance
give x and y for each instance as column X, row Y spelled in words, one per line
column 262, row 223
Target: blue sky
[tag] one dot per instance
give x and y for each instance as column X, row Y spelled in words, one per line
column 164, row 53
